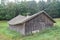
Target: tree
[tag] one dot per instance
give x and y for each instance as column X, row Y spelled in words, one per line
column 3, row 2
column 41, row 5
column 32, row 7
column 53, row 9
column 2, row 12
column 11, row 11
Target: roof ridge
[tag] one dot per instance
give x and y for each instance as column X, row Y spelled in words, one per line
column 22, row 19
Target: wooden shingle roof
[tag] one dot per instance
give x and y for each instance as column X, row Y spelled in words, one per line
column 22, row 19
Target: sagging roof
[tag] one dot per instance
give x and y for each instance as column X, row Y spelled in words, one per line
column 22, row 19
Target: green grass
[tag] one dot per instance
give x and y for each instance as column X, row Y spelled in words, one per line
column 6, row 34
column 48, row 34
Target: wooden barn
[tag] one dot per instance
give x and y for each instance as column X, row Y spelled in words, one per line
column 31, row 24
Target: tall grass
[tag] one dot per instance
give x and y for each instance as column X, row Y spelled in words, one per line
column 47, row 34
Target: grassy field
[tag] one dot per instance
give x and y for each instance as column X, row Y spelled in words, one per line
column 48, row 34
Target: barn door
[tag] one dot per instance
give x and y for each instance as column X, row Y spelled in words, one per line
column 42, row 25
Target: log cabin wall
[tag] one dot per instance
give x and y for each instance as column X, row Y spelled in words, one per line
column 47, row 20
column 37, row 23
column 19, row 28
